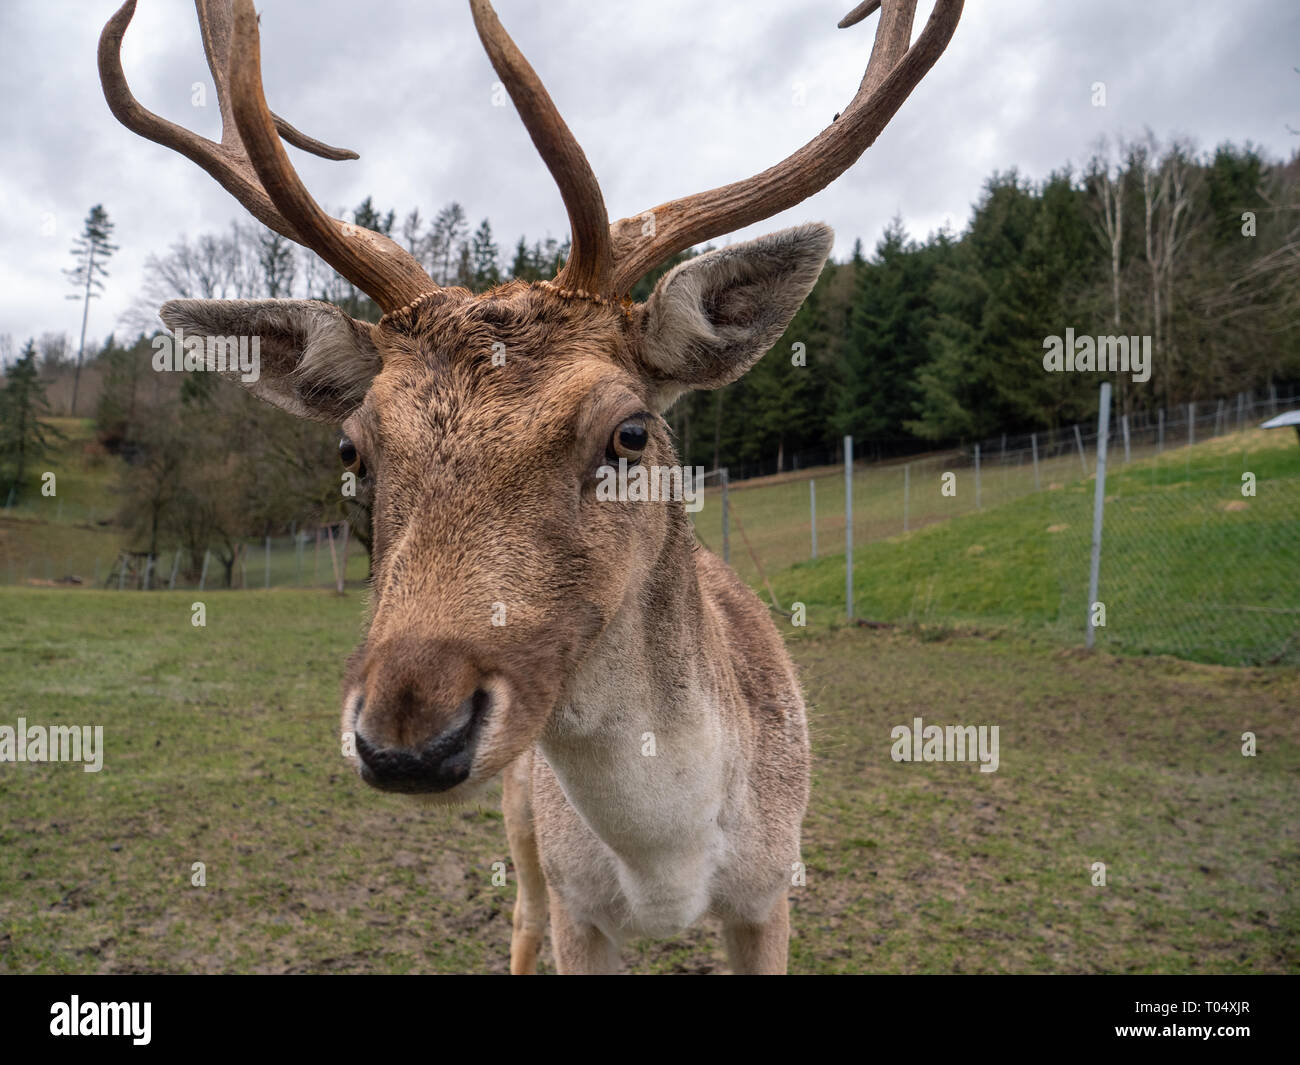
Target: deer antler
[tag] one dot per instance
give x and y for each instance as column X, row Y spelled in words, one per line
column 250, row 162
column 610, row 262
column 605, row 260
column 591, row 257
column 893, row 71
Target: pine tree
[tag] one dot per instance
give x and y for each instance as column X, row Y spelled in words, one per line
column 116, row 416
column 523, row 268
column 91, row 252
column 368, row 217
column 486, row 259
column 24, row 439
column 465, row 267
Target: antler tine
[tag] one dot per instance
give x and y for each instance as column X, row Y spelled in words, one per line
column 214, row 25
column 591, row 257
column 893, row 35
column 250, row 162
column 893, row 71
column 867, row 7
column 224, row 163
column 375, row 264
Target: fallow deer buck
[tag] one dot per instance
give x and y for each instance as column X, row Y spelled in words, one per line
column 617, row 623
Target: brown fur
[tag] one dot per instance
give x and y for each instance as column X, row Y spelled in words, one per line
column 617, row 627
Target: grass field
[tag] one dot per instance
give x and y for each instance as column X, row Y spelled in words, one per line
column 47, row 540
column 1189, row 566
column 222, row 749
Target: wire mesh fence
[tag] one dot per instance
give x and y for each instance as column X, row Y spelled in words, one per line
column 1190, row 565
column 1200, row 553
column 326, row 556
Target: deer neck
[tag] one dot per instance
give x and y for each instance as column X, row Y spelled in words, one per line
column 639, row 742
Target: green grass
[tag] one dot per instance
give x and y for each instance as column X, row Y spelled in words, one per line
column 771, row 516
column 45, row 538
column 49, row 539
column 221, row 747
column 1189, row 566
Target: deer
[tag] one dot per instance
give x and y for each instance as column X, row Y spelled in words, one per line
column 631, row 693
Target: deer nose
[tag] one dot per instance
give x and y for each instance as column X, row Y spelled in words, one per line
column 437, row 765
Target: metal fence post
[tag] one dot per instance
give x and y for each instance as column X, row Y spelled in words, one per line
column 1128, row 456
column 907, row 491
column 1033, row 442
column 267, row 568
column 977, row 477
column 1191, row 424
column 1098, row 504
column 848, row 526
column 148, row 572
column 812, row 512
column 1078, row 439
column 1160, row 439
column 343, row 557
column 176, row 562
column 300, row 539
column 726, row 517
column 203, row 576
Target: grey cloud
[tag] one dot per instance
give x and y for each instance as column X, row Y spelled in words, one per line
column 667, row 99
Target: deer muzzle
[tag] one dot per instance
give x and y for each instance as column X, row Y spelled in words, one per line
column 423, row 711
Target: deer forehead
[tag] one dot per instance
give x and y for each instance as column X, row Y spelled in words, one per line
column 517, row 370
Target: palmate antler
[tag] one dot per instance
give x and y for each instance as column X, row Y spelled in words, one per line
column 605, row 260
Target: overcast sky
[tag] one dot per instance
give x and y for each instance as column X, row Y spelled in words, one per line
column 667, row 98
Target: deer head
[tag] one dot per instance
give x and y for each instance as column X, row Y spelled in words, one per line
column 481, row 421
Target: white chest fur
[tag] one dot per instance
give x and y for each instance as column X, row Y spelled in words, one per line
column 650, row 791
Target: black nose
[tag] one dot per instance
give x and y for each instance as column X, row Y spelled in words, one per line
column 442, row 763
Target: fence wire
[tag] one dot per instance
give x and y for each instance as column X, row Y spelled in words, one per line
column 1190, row 565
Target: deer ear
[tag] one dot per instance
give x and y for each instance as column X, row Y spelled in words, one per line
column 711, row 318
column 308, row 357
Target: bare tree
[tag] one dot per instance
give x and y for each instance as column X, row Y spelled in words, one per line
column 55, row 349
column 450, row 228
column 1109, row 193
column 415, row 240
column 277, row 260
column 1166, row 183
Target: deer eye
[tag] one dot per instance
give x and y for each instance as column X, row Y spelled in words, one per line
column 350, row 458
column 629, row 441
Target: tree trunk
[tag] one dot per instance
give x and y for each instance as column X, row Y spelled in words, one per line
column 85, row 313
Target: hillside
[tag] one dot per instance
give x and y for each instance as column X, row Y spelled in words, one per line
column 1189, row 566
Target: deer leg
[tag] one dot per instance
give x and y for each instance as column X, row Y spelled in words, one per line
column 760, row 949
column 580, row 949
column 530, row 898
